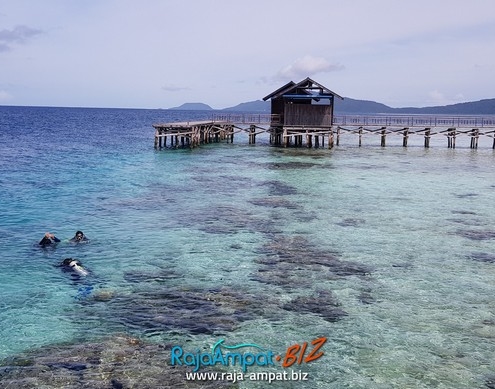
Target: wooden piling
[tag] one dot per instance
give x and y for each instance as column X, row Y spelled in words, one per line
column 451, row 138
column 360, row 135
column 330, row 139
column 427, row 137
column 384, row 134
column 252, row 129
column 474, row 138
column 406, row 135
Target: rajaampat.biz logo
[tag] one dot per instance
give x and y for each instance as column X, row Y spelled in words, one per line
column 237, row 356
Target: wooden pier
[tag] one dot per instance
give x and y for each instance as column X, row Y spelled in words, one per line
column 302, row 114
column 224, row 126
column 426, row 126
column 192, row 134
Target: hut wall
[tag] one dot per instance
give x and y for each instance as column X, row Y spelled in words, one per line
column 307, row 115
column 278, row 109
column 278, row 106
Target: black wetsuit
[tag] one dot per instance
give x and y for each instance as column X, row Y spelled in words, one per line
column 47, row 241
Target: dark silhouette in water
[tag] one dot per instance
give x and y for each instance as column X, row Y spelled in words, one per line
column 74, row 266
column 78, row 274
column 48, row 240
column 79, row 237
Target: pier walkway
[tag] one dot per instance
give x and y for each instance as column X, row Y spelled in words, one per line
column 224, row 126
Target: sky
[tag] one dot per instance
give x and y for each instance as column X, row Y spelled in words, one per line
column 163, row 53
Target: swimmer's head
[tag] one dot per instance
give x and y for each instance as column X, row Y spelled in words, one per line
column 79, row 235
column 75, row 265
column 68, row 261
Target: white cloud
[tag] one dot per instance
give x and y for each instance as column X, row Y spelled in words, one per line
column 17, row 35
column 439, row 98
column 305, row 67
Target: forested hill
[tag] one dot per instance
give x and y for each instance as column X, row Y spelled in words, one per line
column 349, row 105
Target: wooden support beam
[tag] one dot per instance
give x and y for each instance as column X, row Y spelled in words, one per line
column 384, row 134
column 252, row 135
column 451, row 135
column 406, row 135
column 474, row 138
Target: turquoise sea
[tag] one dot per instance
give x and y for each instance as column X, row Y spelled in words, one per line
column 389, row 253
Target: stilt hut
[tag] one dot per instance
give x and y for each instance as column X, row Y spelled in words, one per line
column 302, row 109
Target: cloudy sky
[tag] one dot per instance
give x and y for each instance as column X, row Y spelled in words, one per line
column 162, row 53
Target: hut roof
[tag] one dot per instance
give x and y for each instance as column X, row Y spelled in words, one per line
column 307, row 87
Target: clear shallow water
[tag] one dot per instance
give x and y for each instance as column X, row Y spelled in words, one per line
column 280, row 240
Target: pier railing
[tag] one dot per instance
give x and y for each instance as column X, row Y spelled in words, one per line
column 247, row 118
column 371, row 120
column 415, row 121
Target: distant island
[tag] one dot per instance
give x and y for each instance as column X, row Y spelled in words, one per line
column 353, row 106
column 192, row 107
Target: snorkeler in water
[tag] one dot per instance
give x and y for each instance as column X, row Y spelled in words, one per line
column 78, row 274
column 79, row 237
column 48, row 240
column 75, row 266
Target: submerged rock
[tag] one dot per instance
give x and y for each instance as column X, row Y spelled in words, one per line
column 275, row 202
column 138, row 276
column 403, row 265
column 299, row 251
column 466, row 195
column 483, row 257
column 290, row 165
column 224, row 220
column 293, row 263
column 322, row 303
column 490, row 382
column 477, row 235
column 116, row 363
column 365, row 297
column 351, row 222
column 278, row 188
column 180, row 310
column 462, row 212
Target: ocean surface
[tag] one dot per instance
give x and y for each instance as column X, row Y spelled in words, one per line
column 389, row 253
